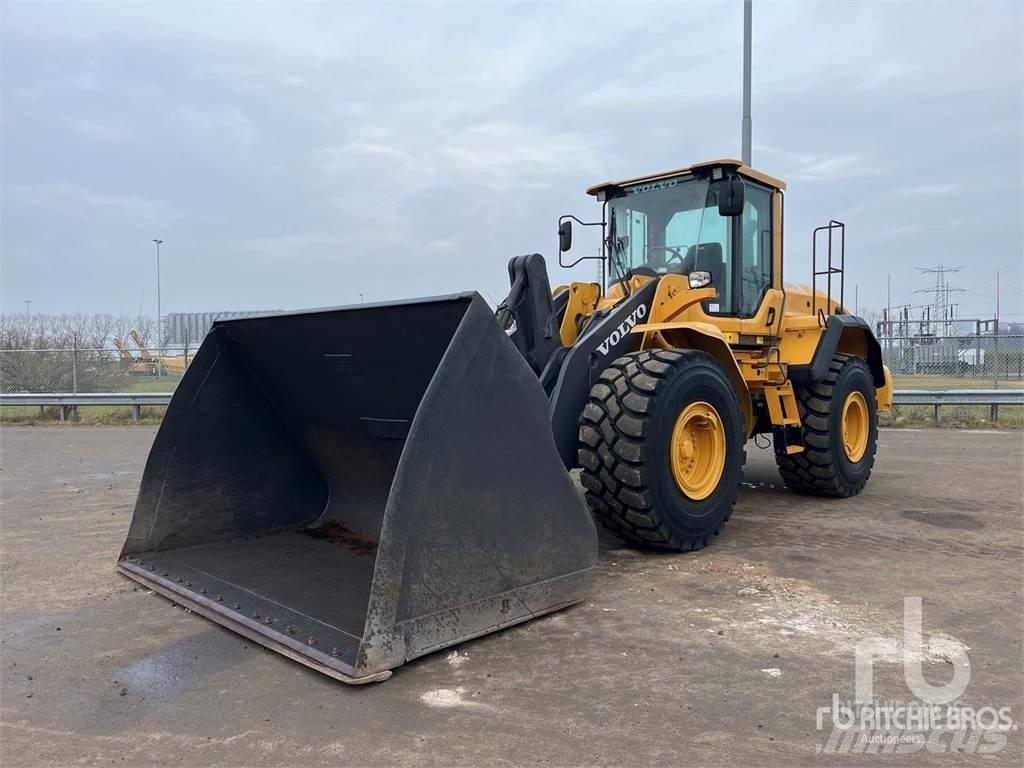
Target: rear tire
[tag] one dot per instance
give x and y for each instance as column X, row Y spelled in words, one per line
column 657, row 422
column 830, row 465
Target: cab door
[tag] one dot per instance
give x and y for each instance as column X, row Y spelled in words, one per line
column 756, row 278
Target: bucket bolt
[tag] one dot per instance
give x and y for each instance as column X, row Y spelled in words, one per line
column 237, row 606
column 268, row 620
column 255, row 614
column 203, row 590
column 311, row 641
column 220, row 598
column 335, row 652
column 289, row 630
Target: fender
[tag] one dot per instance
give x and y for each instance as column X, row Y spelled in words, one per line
column 842, row 333
column 705, row 337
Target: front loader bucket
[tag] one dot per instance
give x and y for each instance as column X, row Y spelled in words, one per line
column 357, row 487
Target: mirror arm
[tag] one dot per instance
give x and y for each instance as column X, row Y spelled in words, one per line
column 570, row 217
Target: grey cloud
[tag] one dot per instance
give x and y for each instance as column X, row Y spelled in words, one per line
column 301, row 154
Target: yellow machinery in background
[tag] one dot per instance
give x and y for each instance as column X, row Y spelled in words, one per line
column 175, row 364
column 139, row 366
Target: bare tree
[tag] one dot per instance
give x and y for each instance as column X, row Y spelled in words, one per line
column 14, row 331
column 121, row 325
column 37, row 331
column 66, row 331
column 18, row 331
column 146, row 328
column 100, row 328
column 872, row 317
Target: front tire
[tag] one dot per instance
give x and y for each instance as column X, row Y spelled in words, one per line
column 662, row 448
column 839, row 415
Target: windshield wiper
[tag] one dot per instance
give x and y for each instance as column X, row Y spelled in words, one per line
column 618, row 257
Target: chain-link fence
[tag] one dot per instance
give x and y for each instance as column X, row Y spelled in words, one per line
column 916, row 362
column 970, row 361
column 91, row 370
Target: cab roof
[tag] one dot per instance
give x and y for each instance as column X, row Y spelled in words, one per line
column 727, row 163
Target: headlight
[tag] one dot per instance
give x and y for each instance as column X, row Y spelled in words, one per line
column 700, row 279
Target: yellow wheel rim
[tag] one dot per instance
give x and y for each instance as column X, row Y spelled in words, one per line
column 698, row 450
column 855, row 426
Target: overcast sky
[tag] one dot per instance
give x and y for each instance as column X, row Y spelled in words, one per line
column 295, row 155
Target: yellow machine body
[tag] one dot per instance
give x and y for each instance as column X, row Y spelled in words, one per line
column 758, row 352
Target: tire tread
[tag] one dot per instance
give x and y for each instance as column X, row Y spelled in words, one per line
column 612, row 455
column 813, row 472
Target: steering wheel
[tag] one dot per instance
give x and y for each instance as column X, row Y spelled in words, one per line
column 672, row 251
column 669, row 249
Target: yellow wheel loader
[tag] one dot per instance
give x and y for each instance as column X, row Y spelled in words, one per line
column 356, row 487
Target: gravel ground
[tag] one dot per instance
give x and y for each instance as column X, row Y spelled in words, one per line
column 717, row 657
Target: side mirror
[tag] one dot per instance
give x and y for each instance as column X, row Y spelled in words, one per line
column 564, row 236
column 730, row 196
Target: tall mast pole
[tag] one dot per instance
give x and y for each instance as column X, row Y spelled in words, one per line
column 159, row 326
column 746, row 81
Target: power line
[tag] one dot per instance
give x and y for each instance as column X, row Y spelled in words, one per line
column 993, row 279
column 993, row 254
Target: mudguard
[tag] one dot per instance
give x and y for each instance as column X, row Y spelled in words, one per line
column 829, row 342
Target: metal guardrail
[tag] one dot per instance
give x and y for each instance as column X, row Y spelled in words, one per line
column 959, row 397
column 65, row 400
column 938, row 398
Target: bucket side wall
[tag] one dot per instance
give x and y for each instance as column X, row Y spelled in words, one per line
column 224, row 463
column 484, row 526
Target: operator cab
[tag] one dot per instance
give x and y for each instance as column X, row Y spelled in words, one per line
column 714, row 217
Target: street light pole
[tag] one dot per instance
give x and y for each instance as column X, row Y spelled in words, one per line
column 159, row 325
column 28, row 314
column 747, row 24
